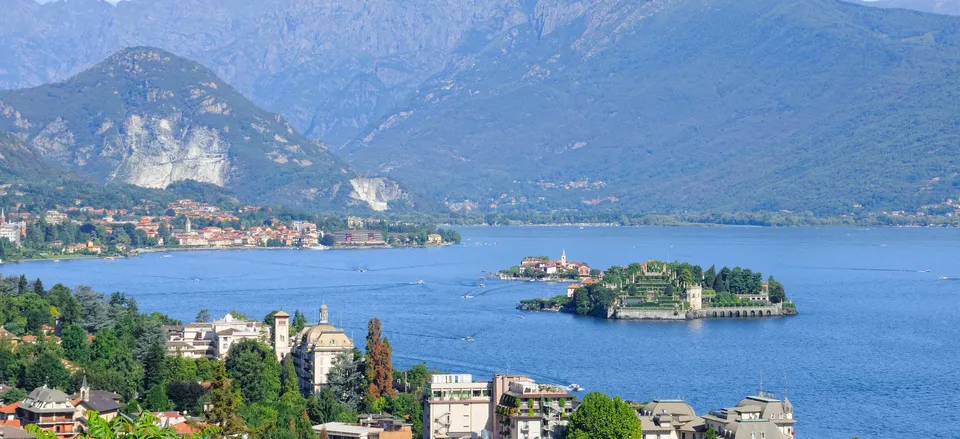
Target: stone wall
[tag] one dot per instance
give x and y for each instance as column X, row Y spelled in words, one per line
column 623, row 313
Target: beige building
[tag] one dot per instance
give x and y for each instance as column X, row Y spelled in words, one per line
column 213, row 340
column 457, row 407
column 314, row 350
column 755, row 417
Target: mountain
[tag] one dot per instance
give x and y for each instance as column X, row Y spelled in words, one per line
column 949, row 7
column 18, row 161
column 146, row 117
column 679, row 105
column 656, row 105
column 328, row 67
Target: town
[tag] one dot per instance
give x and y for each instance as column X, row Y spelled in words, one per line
column 312, row 372
column 80, row 230
column 653, row 290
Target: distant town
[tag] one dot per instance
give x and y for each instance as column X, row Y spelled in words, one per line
column 75, row 231
column 652, row 290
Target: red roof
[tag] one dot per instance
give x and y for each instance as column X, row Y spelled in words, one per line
column 10, row 422
column 185, row 428
column 10, row 408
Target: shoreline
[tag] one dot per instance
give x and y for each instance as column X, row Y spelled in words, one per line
column 141, row 251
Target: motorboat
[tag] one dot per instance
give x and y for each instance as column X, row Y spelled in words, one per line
column 944, row 278
column 467, row 296
column 573, row 387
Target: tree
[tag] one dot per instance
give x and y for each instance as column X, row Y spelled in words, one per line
column 710, row 276
column 203, row 316
column 185, row 395
column 224, row 403
column 75, row 346
column 328, row 240
column 156, row 399
column 324, row 407
column 143, row 427
column 599, row 417
column 711, row 434
column 379, row 370
column 346, row 379
column 299, row 322
column 290, row 381
column 22, row 285
column 255, row 372
column 38, row 288
column 46, row 370
column 776, row 292
column 323, row 433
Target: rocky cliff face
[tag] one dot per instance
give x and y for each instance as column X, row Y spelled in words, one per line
column 149, row 118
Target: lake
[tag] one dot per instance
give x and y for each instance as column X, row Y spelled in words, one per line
column 876, row 335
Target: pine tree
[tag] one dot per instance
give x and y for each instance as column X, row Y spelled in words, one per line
column 38, row 288
column 22, row 285
column 323, row 433
column 379, row 371
column 225, row 402
column 290, row 381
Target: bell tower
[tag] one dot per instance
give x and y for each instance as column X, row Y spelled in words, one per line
column 695, row 297
column 563, row 257
column 281, row 334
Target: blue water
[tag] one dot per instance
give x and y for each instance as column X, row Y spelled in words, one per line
column 875, row 340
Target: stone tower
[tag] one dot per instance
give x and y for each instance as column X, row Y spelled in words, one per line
column 563, row 257
column 189, row 227
column 281, row 334
column 695, row 297
column 324, row 315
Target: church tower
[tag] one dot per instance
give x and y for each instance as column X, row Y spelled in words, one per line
column 3, row 216
column 281, row 334
column 84, row 390
column 563, row 257
column 188, row 227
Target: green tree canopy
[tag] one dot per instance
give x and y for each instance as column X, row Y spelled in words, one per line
column 254, row 369
column 599, row 417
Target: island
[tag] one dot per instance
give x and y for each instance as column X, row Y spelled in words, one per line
column 544, row 269
column 656, row 290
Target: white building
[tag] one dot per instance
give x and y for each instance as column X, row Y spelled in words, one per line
column 457, row 407
column 213, row 340
column 339, row 430
column 315, row 350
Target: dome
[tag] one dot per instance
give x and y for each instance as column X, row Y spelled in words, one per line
column 325, row 335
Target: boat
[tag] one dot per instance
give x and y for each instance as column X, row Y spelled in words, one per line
column 361, row 270
column 56, row 260
column 467, row 296
column 318, row 247
column 481, row 286
column 109, row 258
column 468, row 338
column 419, row 282
column 924, row 271
column 523, row 317
column 573, row 387
column 944, row 278
column 166, row 256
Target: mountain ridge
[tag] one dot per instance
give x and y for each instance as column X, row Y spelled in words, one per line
column 147, row 117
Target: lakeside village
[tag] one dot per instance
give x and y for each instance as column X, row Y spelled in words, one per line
column 653, row 290
column 76, row 231
column 99, row 363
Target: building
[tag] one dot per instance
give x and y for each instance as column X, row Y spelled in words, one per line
column 457, row 407
column 50, row 410
column 755, row 417
column 434, row 238
column 528, row 410
column 359, row 237
column 392, row 428
column 14, row 432
column 695, row 297
column 107, row 404
column 213, row 340
column 315, row 350
column 281, row 334
column 339, row 430
column 54, row 217
column 8, row 337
